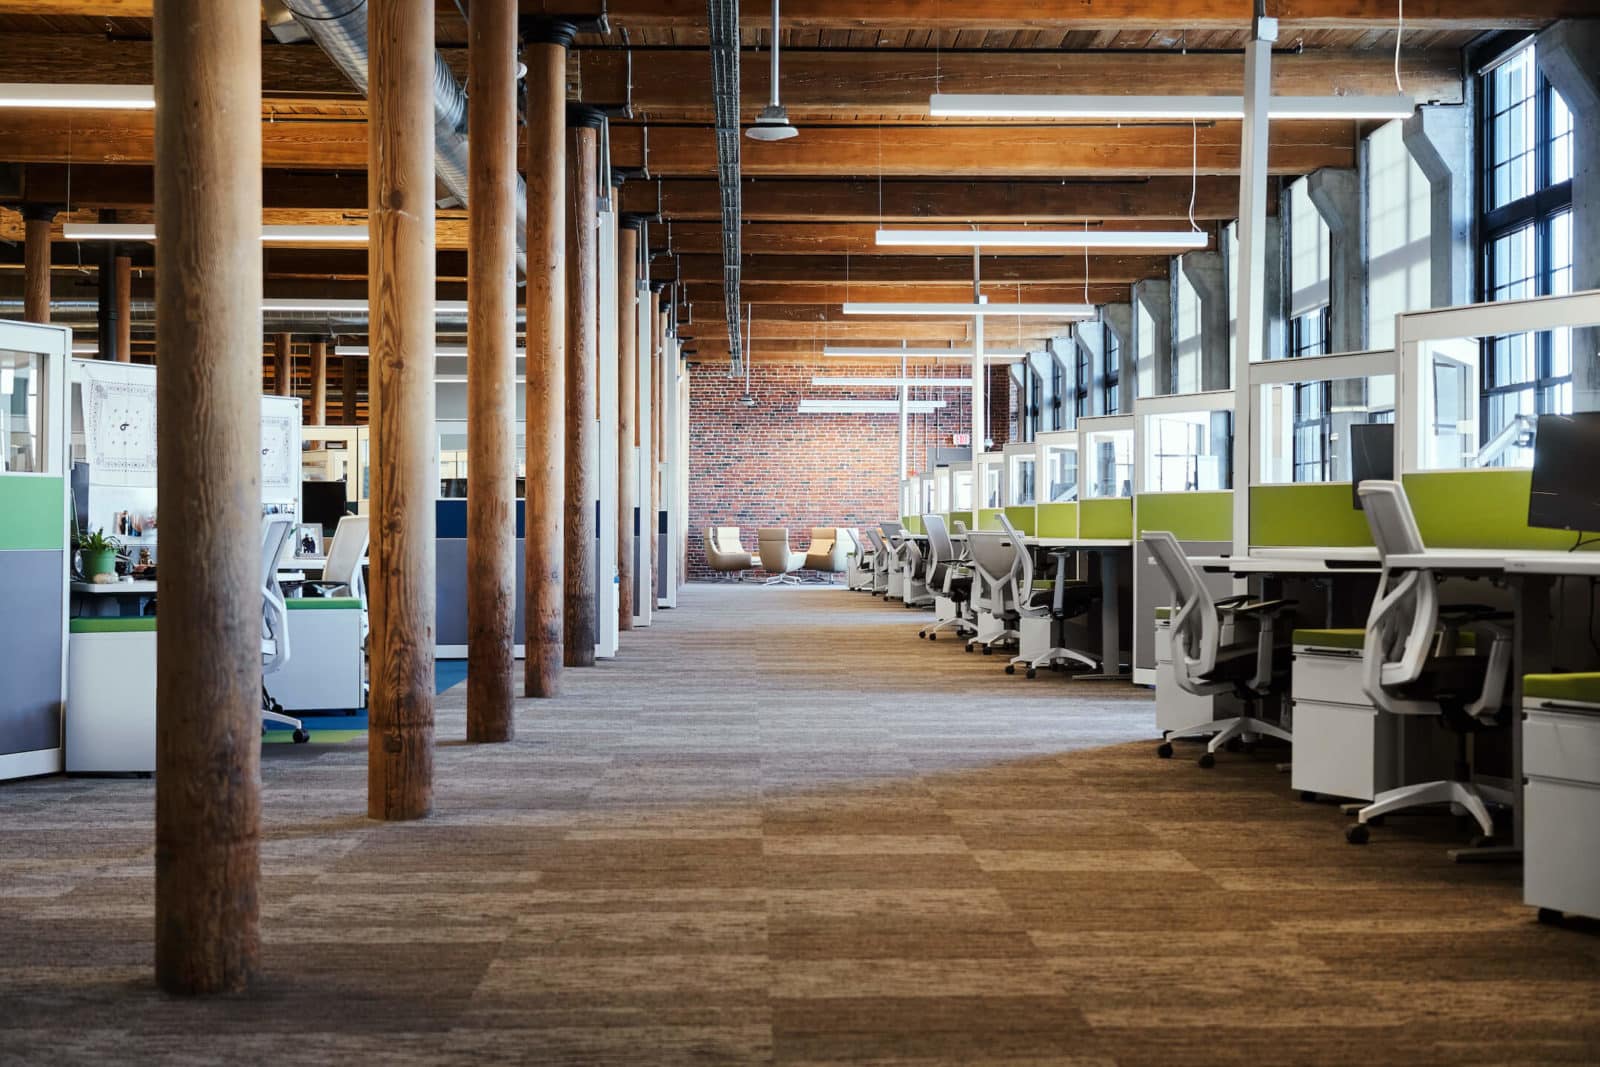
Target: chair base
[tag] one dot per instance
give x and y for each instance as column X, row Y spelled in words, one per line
column 1051, row 656
column 783, row 579
column 962, row 627
column 1246, row 728
column 989, row 642
column 1471, row 797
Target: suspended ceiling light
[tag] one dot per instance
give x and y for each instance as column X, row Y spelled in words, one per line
column 1175, row 239
column 52, row 95
column 867, row 407
column 935, row 310
column 438, row 350
column 1118, row 108
column 333, row 306
column 893, row 383
column 913, row 353
column 773, row 122
column 146, row 231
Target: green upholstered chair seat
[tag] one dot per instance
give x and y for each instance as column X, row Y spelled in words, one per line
column 113, row 625
column 1578, row 688
column 1343, row 639
column 323, row 603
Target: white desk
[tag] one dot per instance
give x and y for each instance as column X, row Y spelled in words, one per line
column 1338, row 553
column 136, row 588
column 1296, row 565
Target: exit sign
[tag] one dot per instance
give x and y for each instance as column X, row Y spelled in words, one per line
column 961, row 439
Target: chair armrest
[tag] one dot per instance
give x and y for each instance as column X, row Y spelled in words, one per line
column 1458, row 613
column 1239, row 598
column 1263, row 607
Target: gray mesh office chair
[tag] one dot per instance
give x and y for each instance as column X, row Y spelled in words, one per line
column 996, row 555
column 1253, row 668
column 881, row 554
column 1411, row 666
column 1063, row 600
column 947, row 577
column 275, row 533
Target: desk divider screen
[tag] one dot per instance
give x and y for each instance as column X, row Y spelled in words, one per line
column 1107, row 518
column 1187, row 516
column 1024, row 518
column 1056, row 520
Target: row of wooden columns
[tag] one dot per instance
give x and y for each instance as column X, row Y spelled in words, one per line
column 208, row 327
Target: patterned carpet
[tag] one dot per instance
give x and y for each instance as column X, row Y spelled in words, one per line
column 781, row 829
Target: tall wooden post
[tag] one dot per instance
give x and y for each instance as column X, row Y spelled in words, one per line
column 401, row 269
column 122, row 273
column 583, row 372
column 491, row 370
column 627, row 415
column 207, row 60
column 318, row 415
column 546, row 407
column 349, row 389
column 282, row 364
column 36, row 261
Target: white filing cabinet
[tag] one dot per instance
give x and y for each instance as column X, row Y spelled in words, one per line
column 1176, row 708
column 1561, row 804
column 1343, row 746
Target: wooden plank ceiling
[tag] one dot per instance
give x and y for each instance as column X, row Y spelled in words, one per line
column 856, row 78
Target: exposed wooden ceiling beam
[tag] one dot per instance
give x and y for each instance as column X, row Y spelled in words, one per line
column 840, row 86
column 780, row 200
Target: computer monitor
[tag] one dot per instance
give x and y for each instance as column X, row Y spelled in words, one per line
column 323, row 503
column 1371, row 455
column 1565, row 493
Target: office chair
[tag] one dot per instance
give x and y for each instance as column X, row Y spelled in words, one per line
column 950, row 581
column 1411, row 667
column 1253, row 668
column 777, row 558
column 342, row 574
column 997, row 557
column 1047, row 609
column 724, row 553
column 858, row 575
column 881, row 554
column 914, row 589
column 275, row 533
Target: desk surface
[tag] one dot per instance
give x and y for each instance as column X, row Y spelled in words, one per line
column 1283, row 565
column 114, row 588
column 1341, row 553
column 1500, row 560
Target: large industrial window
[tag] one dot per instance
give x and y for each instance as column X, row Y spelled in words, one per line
column 1309, row 247
column 1187, row 350
column 1060, row 414
column 1399, row 225
column 1526, row 226
column 1111, row 371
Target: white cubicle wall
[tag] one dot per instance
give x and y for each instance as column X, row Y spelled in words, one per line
column 1020, row 481
column 1106, row 457
column 1056, row 466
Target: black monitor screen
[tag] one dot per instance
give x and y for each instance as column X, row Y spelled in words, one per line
column 322, row 503
column 1565, row 494
column 1371, row 455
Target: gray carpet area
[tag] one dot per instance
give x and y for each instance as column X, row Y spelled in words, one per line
column 779, row 828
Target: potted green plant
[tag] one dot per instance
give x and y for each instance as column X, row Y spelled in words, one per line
column 99, row 553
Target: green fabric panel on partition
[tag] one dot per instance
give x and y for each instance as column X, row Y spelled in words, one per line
column 986, row 519
column 1344, row 639
column 1478, row 509
column 32, row 513
column 1580, row 688
column 912, row 524
column 1110, row 519
column 323, row 603
column 951, row 518
column 1188, row 516
column 1056, row 520
column 113, row 625
column 1023, row 517
column 1312, row 514
column 1164, row 613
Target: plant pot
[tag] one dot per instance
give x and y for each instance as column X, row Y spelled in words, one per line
column 102, row 562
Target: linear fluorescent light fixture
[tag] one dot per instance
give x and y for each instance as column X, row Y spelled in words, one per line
column 332, row 306
column 438, row 350
column 867, row 407
column 461, row 379
column 930, row 310
column 145, row 231
column 913, row 353
column 894, row 383
column 1176, row 239
column 1118, row 108
column 59, row 95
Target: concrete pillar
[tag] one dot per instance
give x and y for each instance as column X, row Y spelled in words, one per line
column 1207, row 273
column 1336, row 192
column 1440, row 139
column 1153, row 368
column 1274, row 341
column 1569, row 55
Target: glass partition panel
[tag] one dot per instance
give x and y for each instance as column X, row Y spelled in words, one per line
column 927, row 495
column 452, row 439
column 1305, row 426
column 23, row 404
column 1480, row 399
column 992, row 469
column 1061, row 470
column 941, row 491
column 1188, row 451
column 1020, row 490
column 1109, row 463
column 961, row 489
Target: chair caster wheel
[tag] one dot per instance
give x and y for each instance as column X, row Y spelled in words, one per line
column 933, row 637
column 1032, row 673
column 1247, row 747
column 1549, row 917
column 1357, row 834
column 1207, row 761
column 969, row 648
column 988, row 650
column 1483, row 841
column 1164, row 751
column 1308, row 795
column 1011, row 668
column 1376, row 820
column 301, row 737
column 1233, row 744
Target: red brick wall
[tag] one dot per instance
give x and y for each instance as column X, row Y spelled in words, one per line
column 1002, row 404
column 769, row 465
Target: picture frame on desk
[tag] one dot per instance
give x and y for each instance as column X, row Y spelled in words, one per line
column 308, row 540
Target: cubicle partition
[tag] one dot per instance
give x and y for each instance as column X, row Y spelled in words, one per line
column 34, row 546
column 1056, row 485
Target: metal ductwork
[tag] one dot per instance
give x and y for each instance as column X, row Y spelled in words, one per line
column 724, row 24
column 340, row 28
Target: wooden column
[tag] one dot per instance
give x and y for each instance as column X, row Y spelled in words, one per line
column 401, row 273
column 627, row 415
column 546, row 407
column 491, row 370
column 583, row 371
column 122, row 274
column 207, row 61
column 282, row 364
column 36, row 261
column 318, row 414
column 349, row 389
